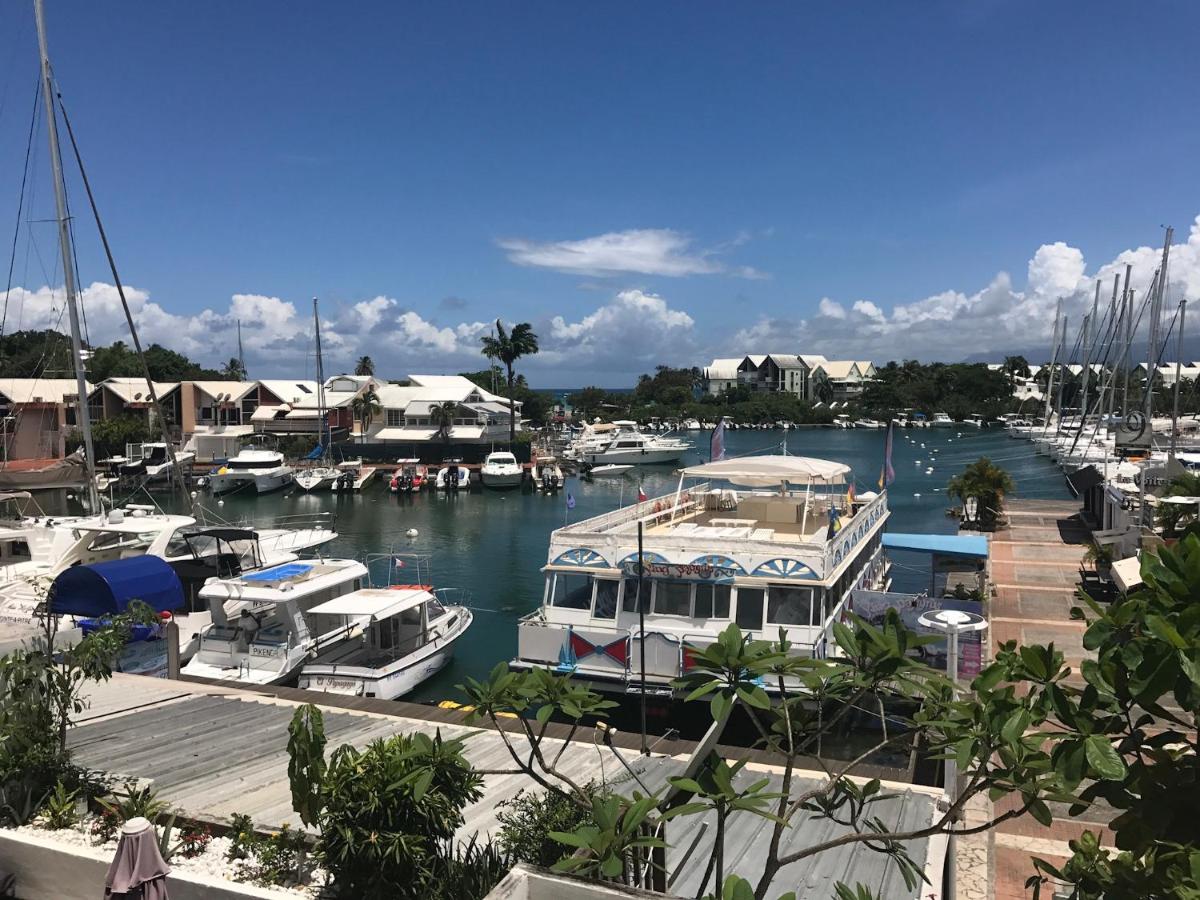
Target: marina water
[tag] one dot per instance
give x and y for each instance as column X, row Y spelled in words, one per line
column 494, row 544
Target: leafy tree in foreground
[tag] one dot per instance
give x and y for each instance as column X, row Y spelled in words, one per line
column 1134, row 743
column 993, row 735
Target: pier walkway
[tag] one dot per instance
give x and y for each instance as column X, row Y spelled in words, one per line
column 1034, row 566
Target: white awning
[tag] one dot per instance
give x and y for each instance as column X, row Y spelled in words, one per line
column 303, row 412
column 768, row 471
column 265, row 413
column 1127, row 573
column 404, row 434
column 378, row 603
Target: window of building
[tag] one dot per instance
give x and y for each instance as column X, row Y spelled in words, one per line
column 712, row 601
column 395, row 418
column 304, row 388
column 673, row 598
column 606, row 598
column 750, row 608
column 787, row 605
column 206, row 414
column 572, row 591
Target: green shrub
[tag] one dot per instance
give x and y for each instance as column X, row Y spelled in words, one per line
column 242, row 837
column 59, row 809
column 134, row 801
column 527, row 820
column 389, row 815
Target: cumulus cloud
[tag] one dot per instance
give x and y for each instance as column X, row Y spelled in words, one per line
column 954, row 324
column 641, row 251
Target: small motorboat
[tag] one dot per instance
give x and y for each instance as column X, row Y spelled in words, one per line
column 452, row 476
column 547, row 474
column 400, row 637
column 409, row 478
column 608, row 471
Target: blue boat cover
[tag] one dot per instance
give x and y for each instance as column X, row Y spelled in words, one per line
column 278, row 573
column 973, row 546
column 315, row 452
column 107, row 588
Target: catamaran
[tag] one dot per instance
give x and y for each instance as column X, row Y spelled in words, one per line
column 257, row 469
column 768, row 542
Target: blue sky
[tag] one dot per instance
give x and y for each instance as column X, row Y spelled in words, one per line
column 644, row 182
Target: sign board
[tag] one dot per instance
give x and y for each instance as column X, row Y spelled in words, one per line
column 1133, row 432
column 681, row 571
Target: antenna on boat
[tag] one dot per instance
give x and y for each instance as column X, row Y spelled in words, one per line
column 64, row 242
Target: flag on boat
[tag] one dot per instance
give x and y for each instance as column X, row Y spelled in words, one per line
column 835, row 520
column 570, row 500
column 716, row 449
column 888, row 474
column 399, row 563
column 642, row 498
column 851, row 496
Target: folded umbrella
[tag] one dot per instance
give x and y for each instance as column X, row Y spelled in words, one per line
column 138, row 871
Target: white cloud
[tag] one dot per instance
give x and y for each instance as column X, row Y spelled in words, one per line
column 642, row 251
column 954, row 325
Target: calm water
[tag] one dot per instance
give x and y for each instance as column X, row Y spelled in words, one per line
column 494, row 543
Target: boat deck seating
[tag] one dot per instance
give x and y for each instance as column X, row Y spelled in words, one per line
column 754, row 517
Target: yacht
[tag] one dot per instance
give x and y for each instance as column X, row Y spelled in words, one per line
column 261, row 631
column 501, row 470
column 630, row 446
column 318, row 478
column 768, row 542
column 941, row 420
column 842, row 421
column 255, row 468
column 976, row 420
column 868, row 423
column 400, row 637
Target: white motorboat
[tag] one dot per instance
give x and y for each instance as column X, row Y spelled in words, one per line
column 318, row 478
column 941, row 420
column 547, row 474
column 255, row 469
column 260, row 631
column 453, row 476
column 501, row 471
column 630, row 446
column 975, row 420
column 400, row 637
column 152, row 461
column 769, row 542
column 608, row 471
column 842, row 421
column 867, row 423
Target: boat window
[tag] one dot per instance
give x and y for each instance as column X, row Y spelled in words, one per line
column 606, row 598
column 712, row 601
column 789, row 605
column 750, row 609
column 572, row 591
column 630, row 603
column 673, row 598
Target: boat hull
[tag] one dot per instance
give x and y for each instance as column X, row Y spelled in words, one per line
column 634, row 457
column 500, row 481
column 258, row 482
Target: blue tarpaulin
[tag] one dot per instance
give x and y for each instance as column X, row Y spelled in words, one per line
column 971, row 546
column 315, row 452
column 107, row 588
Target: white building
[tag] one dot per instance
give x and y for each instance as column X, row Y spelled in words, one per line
column 411, row 417
column 721, row 374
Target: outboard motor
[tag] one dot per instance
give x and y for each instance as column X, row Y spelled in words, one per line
column 406, row 483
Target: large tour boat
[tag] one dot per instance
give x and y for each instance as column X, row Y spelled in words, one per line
column 768, row 542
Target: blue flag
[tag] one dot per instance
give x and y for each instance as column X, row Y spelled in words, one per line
column 716, row 448
column 570, row 500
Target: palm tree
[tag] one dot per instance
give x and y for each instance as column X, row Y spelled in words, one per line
column 987, row 483
column 443, row 415
column 365, row 408
column 1175, row 516
column 364, row 366
column 821, row 385
column 234, row 370
column 508, row 347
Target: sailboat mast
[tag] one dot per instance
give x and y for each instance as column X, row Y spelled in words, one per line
column 320, row 382
column 64, row 242
column 1127, row 306
column 1178, row 372
column 1156, row 299
column 241, row 355
column 1059, row 330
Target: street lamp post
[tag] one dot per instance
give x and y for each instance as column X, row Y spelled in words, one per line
column 952, row 623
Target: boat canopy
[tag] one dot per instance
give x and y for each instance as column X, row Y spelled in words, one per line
column 968, row 546
column 769, row 471
column 378, row 603
column 107, row 588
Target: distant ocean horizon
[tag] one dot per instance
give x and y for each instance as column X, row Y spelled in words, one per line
column 559, row 391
